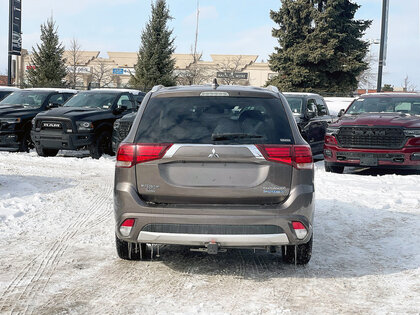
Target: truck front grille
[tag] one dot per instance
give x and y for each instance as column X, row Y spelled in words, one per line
column 371, row 137
column 124, row 129
column 64, row 123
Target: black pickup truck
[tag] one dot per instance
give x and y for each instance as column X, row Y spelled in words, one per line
column 19, row 108
column 84, row 122
column 312, row 117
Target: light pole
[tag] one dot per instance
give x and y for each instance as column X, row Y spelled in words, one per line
column 371, row 75
column 382, row 44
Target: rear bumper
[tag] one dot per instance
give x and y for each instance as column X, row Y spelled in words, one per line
column 405, row 158
column 242, row 240
column 298, row 207
column 61, row 141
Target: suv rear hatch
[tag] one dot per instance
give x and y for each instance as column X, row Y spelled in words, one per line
column 213, row 150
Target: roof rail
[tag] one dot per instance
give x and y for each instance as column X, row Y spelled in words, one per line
column 273, row 88
column 157, row 88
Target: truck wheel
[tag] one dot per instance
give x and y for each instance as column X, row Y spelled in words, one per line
column 301, row 253
column 130, row 251
column 26, row 143
column 333, row 169
column 45, row 152
column 101, row 144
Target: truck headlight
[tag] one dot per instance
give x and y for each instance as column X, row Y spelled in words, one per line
column 10, row 120
column 84, row 125
column 412, row 132
column 332, row 130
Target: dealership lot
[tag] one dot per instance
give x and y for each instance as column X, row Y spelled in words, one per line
column 57, row 251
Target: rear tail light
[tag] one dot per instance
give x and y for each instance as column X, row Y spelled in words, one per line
column 299, row 156
column 300, row 230
column 126, row 227
column 131, row 154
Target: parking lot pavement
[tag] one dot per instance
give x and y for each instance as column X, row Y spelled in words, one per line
column 57, row 253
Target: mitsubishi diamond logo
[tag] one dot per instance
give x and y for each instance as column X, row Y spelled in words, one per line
column 213, row 154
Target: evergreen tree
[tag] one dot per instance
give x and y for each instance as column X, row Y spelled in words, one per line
column 155, row 64
column 328, row 56
column 49, row 66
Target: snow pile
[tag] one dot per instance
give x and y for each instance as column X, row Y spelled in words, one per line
column 24, row 189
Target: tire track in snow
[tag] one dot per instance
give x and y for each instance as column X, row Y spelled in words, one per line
column 47, row 264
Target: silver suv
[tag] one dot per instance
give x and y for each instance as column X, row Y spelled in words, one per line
column 214, row 167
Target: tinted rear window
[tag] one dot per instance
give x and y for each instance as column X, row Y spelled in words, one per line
column 218, row 120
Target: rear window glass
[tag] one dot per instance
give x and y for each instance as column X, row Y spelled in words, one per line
column 216, row 120
column 295, row 104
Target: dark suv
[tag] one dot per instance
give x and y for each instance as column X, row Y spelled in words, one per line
column 123, row 125
column 312, row 117
column 214, row 167
column 19, row 108
column 85, row 122
column 377, row 130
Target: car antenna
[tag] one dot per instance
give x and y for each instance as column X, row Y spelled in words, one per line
column 215, row 84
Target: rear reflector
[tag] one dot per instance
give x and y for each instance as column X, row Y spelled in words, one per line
column 300, row 229
column 299, row 156
column 131, row 154
column 128, row 222
column 126, row 227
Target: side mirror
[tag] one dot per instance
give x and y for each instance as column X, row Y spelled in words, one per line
column 341, row 112
column 120, row 109
column 53, row 105
column 309, row 114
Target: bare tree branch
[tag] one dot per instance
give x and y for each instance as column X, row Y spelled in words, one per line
column 229, row 66
column 74, row 59
column 101, row 73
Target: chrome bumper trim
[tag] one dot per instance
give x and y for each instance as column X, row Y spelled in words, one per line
column 221, row 239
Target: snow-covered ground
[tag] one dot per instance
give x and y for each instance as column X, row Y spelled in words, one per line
column 57, row 253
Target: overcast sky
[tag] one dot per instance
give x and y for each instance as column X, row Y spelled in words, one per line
column 226, row 27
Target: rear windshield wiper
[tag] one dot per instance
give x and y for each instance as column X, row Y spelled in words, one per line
column 229, row 136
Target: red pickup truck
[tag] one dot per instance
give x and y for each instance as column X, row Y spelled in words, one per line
column 380, row 130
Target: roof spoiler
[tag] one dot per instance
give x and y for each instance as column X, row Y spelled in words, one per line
column 156, row 88
column 273, row 89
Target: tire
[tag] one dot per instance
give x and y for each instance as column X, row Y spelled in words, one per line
column 333, row 169
column 26, row 144
column 302, row 253
column 102, row 144
column 131, row 251
column 45, row 152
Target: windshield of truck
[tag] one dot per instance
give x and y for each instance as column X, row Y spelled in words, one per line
column 408, row 105
column 30, row 99
column 295, row 104
column 216, row 120
column 100, row 100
